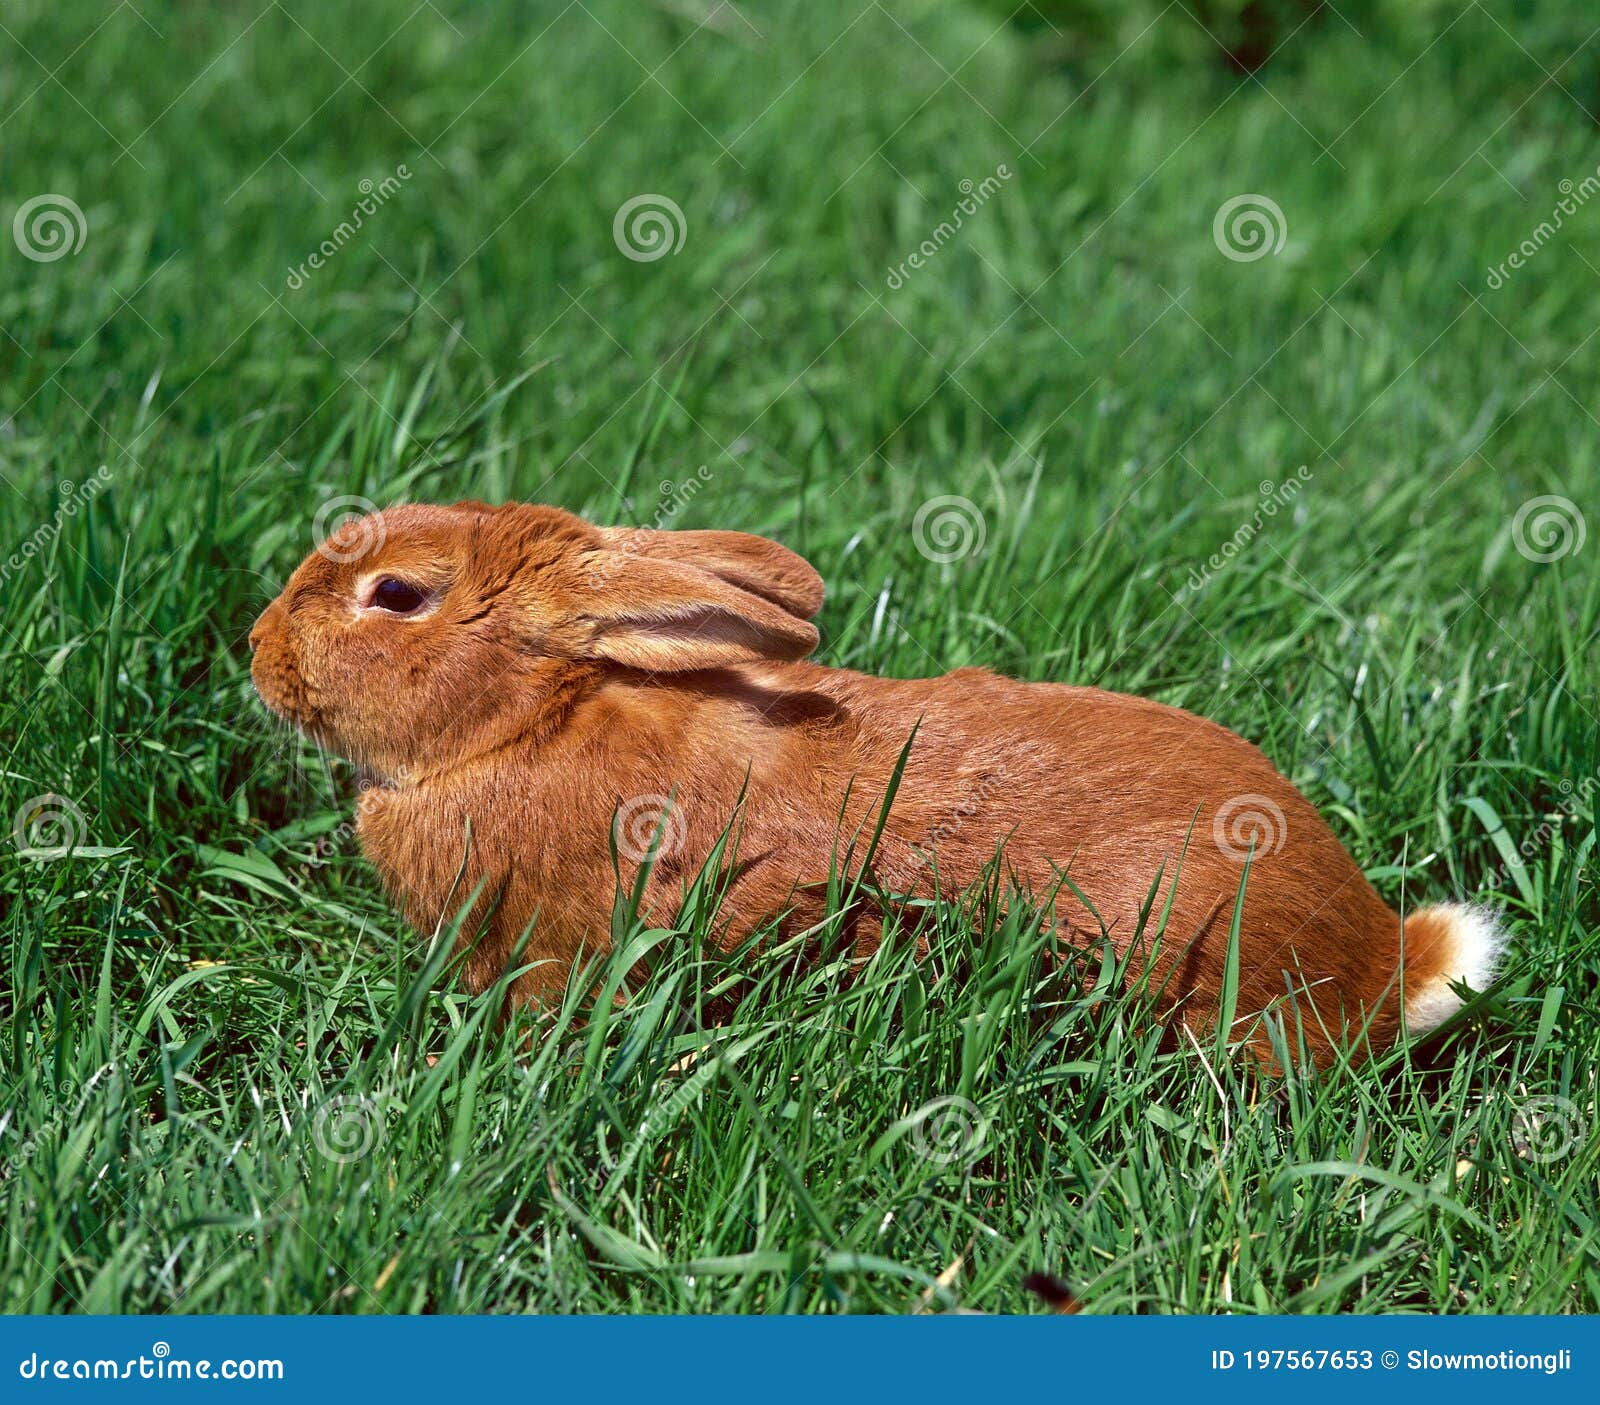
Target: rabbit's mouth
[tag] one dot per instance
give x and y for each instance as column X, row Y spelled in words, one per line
column 279, row 685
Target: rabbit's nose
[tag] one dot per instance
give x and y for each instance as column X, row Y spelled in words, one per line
column 259, row 629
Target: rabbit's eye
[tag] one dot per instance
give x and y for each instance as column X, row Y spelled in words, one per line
column 397, row 596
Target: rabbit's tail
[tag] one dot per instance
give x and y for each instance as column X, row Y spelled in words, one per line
column 1444, row 945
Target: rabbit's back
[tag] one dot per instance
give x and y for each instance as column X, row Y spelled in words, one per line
column 1115, row 792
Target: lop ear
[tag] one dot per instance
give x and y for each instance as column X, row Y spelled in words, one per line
column 741, row 559
column 668, row 617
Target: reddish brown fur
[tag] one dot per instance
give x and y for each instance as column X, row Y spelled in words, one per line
column 567, row 669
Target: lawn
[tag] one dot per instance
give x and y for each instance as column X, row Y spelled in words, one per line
column 1222, row 389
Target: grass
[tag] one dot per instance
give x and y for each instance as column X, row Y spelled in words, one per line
column 230, row 1080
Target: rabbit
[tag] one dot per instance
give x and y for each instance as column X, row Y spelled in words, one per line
column 530, row 688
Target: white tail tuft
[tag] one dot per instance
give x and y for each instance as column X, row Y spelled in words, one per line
column 1445, row 945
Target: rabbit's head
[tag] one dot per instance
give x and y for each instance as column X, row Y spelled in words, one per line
column 421, row 633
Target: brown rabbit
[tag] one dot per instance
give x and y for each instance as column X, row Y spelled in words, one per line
column 531, row 687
